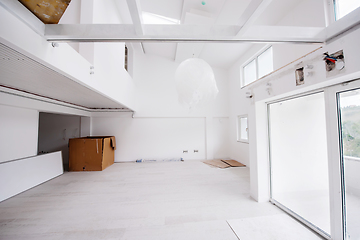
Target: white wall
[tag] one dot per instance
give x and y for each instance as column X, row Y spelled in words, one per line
column 171, row 126
column 85, row 126
column 283, row 85
column 55, row 130
column 109, row 58
column 240, row 105
column 156, row 93
column 72, row 16
column 19, row 122
column 220, row 146
column 106, row 11
column 19, row 133
column 21, row 175
column 153, row 138
column 20, row 168
column 164, row 137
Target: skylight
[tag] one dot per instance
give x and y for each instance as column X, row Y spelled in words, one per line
column 151, row 18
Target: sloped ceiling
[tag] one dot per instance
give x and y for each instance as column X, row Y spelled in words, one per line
column 219, row 12
column 213, row 12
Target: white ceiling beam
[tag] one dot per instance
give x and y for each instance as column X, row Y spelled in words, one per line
column 177, row 33
column 251, row 13
column 22, row 13
column 342, row 25
column 285, row 33
column 136, row 15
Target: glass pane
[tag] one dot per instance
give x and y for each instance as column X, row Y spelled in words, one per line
column 265, row 62
column 344, row 7
column 350, row 131
column 299, row 162
column 243, row 128
column 250, row 72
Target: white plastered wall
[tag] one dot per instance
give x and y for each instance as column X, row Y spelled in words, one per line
column 19, row 133
column 283, row 85
column 253, row 154
column 161, row 128
column 20, row 166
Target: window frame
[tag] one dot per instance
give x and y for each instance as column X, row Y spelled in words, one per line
column 254, row 57
column 335, row 9
column 238, row 128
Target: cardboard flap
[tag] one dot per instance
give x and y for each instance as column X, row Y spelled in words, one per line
column 113, row 143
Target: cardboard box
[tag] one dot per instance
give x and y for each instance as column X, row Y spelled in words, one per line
column 91, row 153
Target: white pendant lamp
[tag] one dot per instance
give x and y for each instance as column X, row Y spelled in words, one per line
column 195, row 83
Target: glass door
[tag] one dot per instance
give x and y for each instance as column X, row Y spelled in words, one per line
column 349, row 134
column 299, row 159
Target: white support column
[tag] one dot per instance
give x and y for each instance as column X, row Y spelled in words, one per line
column 136, row 17
column 252, row 12
column 258, row 143
column 135, row 12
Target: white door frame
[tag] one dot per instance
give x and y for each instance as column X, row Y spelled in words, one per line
column 336, row 178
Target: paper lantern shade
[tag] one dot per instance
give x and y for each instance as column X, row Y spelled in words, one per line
column 195, row 82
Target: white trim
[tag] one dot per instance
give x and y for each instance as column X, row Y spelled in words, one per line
column 355, row 159
column 306, row 222
column 329, row 12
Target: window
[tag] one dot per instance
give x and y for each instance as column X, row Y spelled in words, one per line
column 242, row 127
column 258, row 67
column 344, row 7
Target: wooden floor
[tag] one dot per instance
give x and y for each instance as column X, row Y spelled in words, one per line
column 137, row 201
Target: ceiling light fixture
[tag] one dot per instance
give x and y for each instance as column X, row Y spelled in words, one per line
column 195, row 83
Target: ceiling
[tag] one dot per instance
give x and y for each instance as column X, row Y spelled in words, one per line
column 214, row 30
column 214, row 12
column 206, row 29
column 219, row 12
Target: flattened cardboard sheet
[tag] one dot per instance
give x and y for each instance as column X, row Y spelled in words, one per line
column 216, row 163
column 233, row 163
